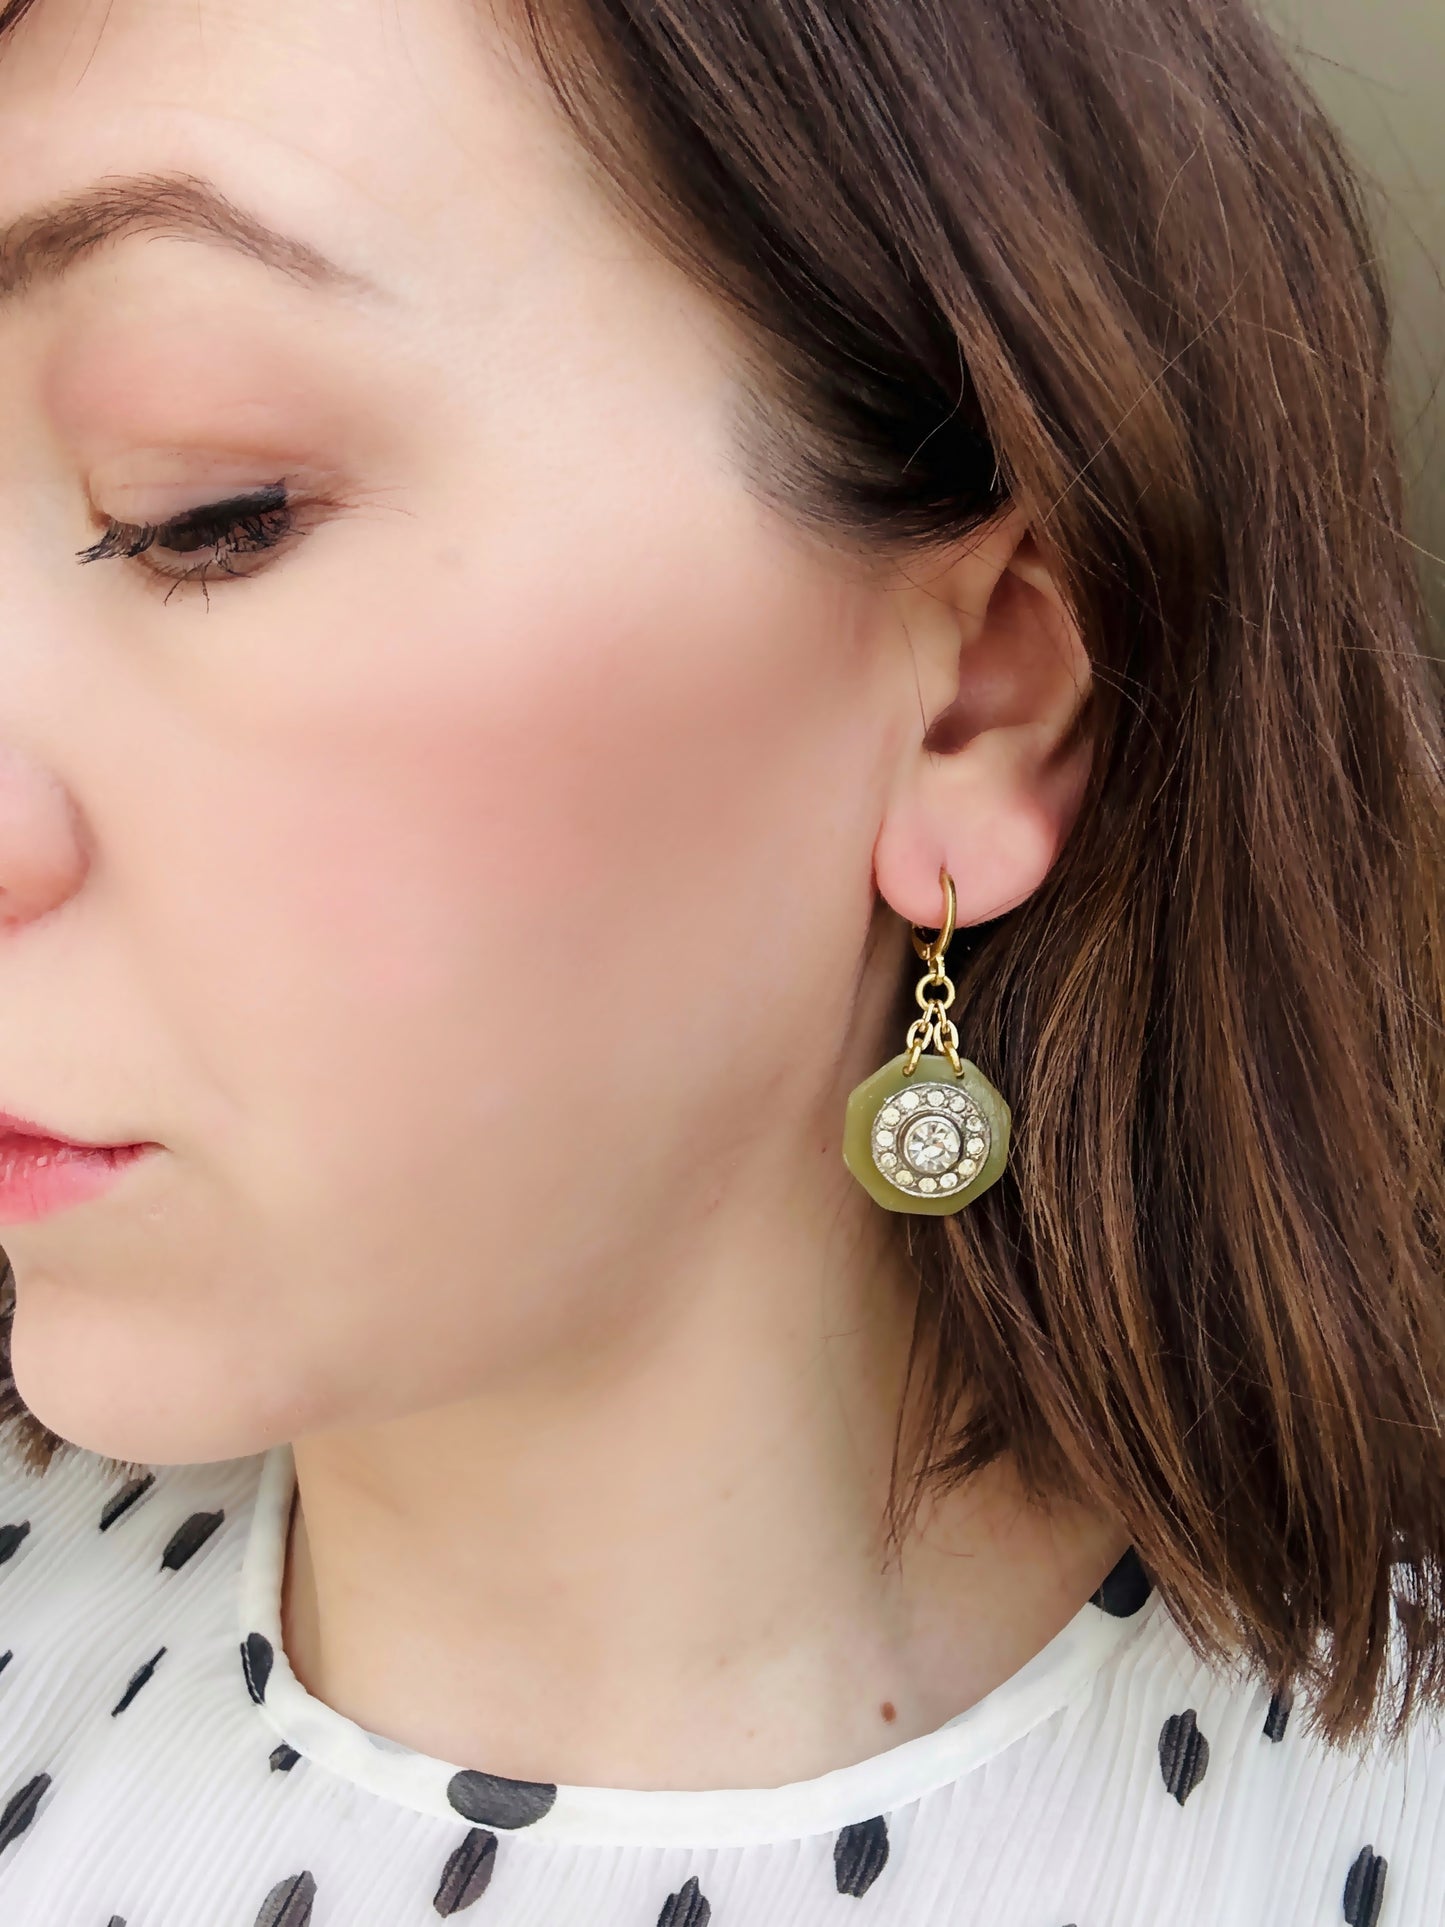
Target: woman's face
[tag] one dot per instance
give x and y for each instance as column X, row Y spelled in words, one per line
column 466, row 894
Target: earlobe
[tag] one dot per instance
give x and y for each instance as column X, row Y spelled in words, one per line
column 992, row 775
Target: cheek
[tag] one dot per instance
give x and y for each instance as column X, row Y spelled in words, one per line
column 539, row 819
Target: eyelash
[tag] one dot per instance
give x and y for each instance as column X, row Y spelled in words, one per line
column 241, row 525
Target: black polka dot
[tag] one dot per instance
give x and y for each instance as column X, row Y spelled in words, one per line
column 10, row 1539
column 1277, row 1718
column 137, row 1680
column 467, row 1874
column 289, row 1902
column 20, row 1809
column 188, row 1538
column 5, row 1659
column 256, row 1661
column 115, row 1921
column 1183, row 1754
column 489, row 1801
column 686, row 1908
column 124, row 1499
column 1125, row 1589
column 1365, row 1889
column 860, row 1854
column 283, row 1758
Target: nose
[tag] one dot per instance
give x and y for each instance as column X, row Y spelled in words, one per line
column 43, row 856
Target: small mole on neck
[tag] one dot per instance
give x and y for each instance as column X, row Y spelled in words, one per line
column 889, row 1711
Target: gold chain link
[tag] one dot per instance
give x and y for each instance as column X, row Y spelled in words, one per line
column 934, row 1024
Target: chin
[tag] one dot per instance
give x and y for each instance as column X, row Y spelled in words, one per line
column 105, row 1384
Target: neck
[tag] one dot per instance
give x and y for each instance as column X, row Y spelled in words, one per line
column 663, row 1564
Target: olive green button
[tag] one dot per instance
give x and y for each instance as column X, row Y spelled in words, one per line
column 879, row 1092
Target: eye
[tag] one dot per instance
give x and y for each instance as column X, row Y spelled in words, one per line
column 215, row 539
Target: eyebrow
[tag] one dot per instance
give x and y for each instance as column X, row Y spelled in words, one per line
column 41, row 247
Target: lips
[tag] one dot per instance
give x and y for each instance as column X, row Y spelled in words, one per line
column 20, row 1127
column 40, row 1176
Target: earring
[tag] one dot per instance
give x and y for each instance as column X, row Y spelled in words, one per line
column 927, row 1133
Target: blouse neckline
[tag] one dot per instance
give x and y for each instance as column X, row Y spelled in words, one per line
column 1062, row 1670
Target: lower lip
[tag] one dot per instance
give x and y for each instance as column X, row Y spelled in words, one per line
column 38, row 1175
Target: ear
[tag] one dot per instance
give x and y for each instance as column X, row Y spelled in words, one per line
column 990, row 774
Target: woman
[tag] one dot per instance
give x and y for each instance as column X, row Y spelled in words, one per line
column 617, row 614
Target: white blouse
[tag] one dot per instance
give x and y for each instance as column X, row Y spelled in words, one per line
column 161, row 1766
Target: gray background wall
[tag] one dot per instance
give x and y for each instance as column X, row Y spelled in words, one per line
column 1379, row 67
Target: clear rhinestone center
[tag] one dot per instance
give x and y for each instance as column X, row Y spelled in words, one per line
column 931, row 1144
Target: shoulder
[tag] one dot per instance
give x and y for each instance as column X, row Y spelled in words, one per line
column 110, row 1577
column 1243, row 1789
column 87, row 1523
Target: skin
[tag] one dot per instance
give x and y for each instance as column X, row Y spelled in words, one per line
column 548, row 801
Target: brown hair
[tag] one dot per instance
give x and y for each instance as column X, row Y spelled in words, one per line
column 1105, row 259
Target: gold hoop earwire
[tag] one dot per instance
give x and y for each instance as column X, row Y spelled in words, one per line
column 931, row 952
